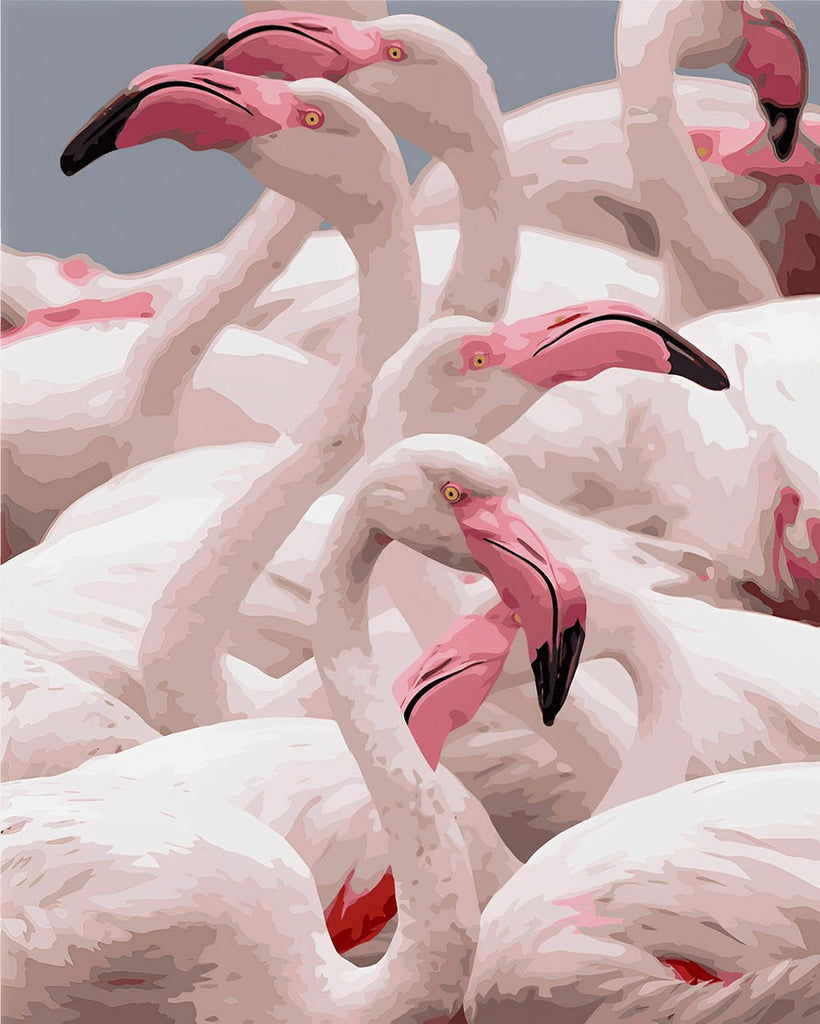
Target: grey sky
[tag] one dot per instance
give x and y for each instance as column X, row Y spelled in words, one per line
column 62, row 59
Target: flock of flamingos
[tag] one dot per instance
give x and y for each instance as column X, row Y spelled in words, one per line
column 418, row 620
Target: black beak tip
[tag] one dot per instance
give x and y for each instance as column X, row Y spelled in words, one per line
column 554, row 671
column 686, row 361
column 79, row 153
column 783, row 127
column 99, row 136
column 68, row 164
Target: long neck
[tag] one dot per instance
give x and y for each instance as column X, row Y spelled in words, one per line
column 477, row 155
column 424, row 973
column 389, row 275
column 642, row 638
column 383, row 243
column 714, row 262
column 255, row 251
column 183, row 643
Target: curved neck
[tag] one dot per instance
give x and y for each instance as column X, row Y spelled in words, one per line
column 476, row 153
column 383, row 242
column 715, row 263
column 186, row 636
column 424, row 973
column 389, row 275
column 255, row 251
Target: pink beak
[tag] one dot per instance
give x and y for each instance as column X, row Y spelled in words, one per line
column 579, row 342
column 201, row 109
column 774, row 60
column 445, row 687
column 545, row 596
column 293, row 45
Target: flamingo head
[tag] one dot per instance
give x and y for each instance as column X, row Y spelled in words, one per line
column 578, row 342
column 404, row 67
column 198, row 108
column 294, row 44
column 461, row 374
column 772, row 57
column 455, row 501
column 310, row 140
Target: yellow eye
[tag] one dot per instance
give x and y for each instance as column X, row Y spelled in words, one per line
column 313, row 118
column 395, row 53
column 702, row 152
column 559, row 320
column 479, row 360
column 451, row 493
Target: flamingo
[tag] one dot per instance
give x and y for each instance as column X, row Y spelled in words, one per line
column 150, row 649
column 755, row 39
column 387, row 63
column 145, row 509
column 697, row 903
column 337, row 47
column 714, row 688
column 32, row 501
column 702, row 473
column 703, row 708
column 410, row 495
column 55, row 721
column 52, row 293
column 539, row 135
column 787, row 228
column 668, row 467
column 299, row 779
column 123, row 425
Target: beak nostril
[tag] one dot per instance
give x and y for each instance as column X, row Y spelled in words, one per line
column 528, row 547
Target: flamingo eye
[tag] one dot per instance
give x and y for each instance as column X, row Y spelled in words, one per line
column 395, row 52
column 451, row 493
column 313, row 118
column 479, row 360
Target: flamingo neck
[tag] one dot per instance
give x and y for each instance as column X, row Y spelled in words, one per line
column 714, row 263
column 186, row 636
column 438, row 909
column 254, row 252
column 389, row 278
column 476, row 153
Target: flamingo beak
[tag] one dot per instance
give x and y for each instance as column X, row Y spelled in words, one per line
column 99, row 136
column 200, row 109
column 774, row 60
column 445, row 687
column 584, row 341
column 544, row 595
column 287, row 44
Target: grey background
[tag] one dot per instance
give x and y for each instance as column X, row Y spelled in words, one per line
column 62, row 59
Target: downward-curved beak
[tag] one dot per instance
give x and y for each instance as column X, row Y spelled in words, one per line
column 201, row 109
column 586, row 340
column 448, row 683
column 287, row 44
column 544, row 595
column 99, row 136
column 774, row 60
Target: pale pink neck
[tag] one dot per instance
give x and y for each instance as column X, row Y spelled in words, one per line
column 714, row 263
column 175, row 342
column 488, row 193
column 437, row 922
